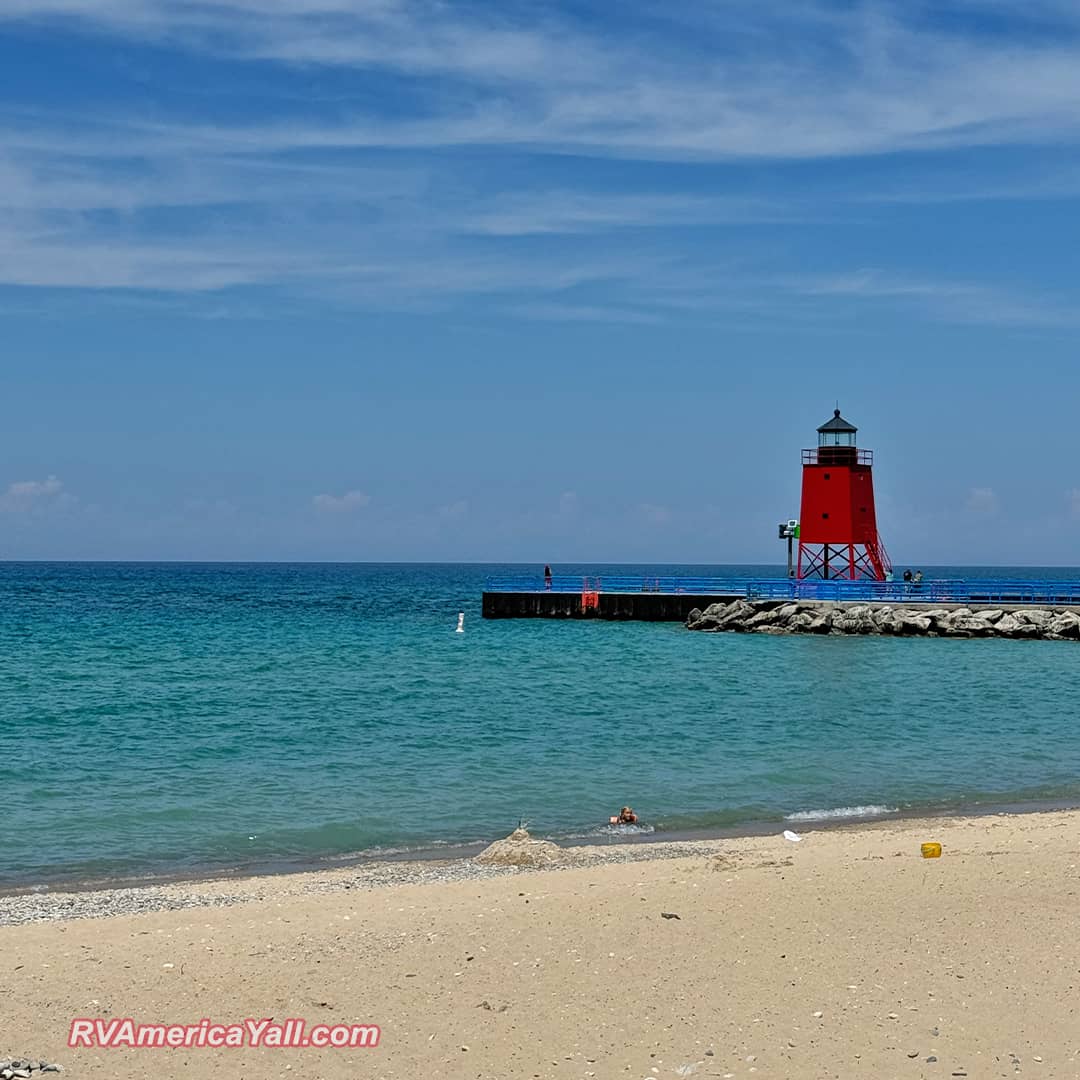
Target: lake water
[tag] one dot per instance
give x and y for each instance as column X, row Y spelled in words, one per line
column 177, row 717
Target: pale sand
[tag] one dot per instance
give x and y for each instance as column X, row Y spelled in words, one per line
column 847, row 955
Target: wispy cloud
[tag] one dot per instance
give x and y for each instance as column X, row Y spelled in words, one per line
column 944, row 299
column 1015, row 185
column 528, row 214
column 35, row 489
column 455, row 510
column 584, row 313
column 25, row 496
column 309, row 204
column 340, row 504
column 982, row 500
column 654, row 513
column 806, row 81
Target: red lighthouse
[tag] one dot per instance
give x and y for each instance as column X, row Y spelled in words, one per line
column 838, row 535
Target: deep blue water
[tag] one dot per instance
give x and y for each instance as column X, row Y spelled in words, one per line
column 158, row 717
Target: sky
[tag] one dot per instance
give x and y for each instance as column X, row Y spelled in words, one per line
column 539, row 282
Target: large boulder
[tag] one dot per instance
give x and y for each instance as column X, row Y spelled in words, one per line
column 946, row 622
column 761, row 618
column 734, row 615
column 910, row 623
column 859, row 611
column 1065, row 625
column 957, row 613
column 716, row 616
column 857, row 619
column 1032, row 616
column 890, row 620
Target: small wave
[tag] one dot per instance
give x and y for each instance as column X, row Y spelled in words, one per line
column 841, row 812
column 626, row 830
column 606, row 830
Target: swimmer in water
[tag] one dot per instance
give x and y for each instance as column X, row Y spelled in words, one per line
column 626, row 817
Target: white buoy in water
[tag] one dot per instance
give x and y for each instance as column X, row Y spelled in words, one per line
column 460, row 623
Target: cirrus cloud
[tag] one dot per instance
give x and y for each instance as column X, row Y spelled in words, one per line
column 369, row 193
column 337, row 504
column 982, row 500
column 23, row 496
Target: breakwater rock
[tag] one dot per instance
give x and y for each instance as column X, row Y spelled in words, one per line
column 824, row 617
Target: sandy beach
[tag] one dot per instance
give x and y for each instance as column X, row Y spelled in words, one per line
column 845, row 955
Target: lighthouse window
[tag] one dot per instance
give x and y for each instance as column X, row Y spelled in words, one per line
column 824, row 515
column 826, row 476
column 836, row 438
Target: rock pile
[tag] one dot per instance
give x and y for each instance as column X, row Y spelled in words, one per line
column 821, row 617
column 10, row 1069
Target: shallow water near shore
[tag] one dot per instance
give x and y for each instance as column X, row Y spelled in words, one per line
column 159, row 718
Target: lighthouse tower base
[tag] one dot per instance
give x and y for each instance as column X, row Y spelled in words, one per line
column 851, row 561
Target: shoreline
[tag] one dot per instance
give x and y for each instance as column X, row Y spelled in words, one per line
column 93, row 898
column 846, row 954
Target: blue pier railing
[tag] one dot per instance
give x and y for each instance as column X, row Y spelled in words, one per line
column 944, row 591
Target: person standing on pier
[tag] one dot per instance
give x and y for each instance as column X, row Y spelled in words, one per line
column 547, row 577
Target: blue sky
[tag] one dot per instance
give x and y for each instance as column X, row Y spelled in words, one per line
column 336, row 279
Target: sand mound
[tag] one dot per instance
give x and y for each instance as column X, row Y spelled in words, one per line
column 520, row 849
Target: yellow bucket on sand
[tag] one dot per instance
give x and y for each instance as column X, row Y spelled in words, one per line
column 931, row 851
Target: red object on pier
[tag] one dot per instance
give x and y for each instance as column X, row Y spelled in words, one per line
column 590, row 597
column 838, row 535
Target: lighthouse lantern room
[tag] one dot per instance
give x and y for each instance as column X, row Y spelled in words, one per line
column 838, row 536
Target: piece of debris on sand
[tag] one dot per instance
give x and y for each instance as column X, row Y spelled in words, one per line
column 520, row 849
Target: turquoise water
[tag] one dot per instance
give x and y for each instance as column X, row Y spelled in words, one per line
column 172, row 717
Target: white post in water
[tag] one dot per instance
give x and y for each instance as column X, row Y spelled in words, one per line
column 460, row 623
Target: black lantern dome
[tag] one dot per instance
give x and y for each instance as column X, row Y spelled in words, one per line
column 836, row 432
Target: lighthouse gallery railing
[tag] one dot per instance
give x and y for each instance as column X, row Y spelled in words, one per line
column 837, row 455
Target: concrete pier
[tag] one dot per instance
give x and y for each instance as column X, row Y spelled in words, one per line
column 671, row 599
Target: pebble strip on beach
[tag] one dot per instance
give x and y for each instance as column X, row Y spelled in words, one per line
column 138, row 899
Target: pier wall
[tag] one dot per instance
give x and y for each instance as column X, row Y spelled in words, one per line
column 644, row 607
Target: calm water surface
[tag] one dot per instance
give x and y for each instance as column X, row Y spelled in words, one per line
column 163, row 717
